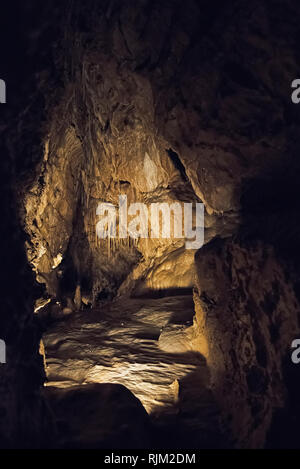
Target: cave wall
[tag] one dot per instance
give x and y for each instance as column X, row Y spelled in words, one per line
column 133, row 83
column 144, row 81
column 247, row 314
column 160, row 106
column 26, row 56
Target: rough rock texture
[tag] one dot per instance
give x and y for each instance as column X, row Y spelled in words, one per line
column 106, row 132
column 140, row 343
column 24, row 418
column 149, row 346
column 248, row 314
column 161, row 101
column 98, row 416
column 160, row 106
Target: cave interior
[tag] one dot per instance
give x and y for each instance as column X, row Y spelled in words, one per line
column 140, row 342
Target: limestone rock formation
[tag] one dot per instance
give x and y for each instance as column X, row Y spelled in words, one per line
column 162, row 102
column 248, row 314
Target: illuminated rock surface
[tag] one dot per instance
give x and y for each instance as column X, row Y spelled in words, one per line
column 248, row 312
column 161, row 101
column 149, row 346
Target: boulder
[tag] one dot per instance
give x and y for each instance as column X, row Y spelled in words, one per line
column 97, row 416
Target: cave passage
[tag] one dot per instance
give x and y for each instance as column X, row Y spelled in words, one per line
column 144, row 344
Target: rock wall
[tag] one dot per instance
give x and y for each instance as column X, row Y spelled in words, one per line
column 159, row 101
column 247, row 314
column 158, row 105
column 24, row 417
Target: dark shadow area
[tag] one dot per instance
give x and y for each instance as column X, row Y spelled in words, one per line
column 288, row 417
column 196, row 421
column 98, row 416
column 270, row 207
column 270, row 213
column 177, row 163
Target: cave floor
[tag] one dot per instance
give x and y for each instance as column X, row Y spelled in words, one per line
column 142, row 343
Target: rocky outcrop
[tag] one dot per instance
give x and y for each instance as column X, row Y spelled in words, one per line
column 248, row 314
column 150, row 346
column 98, row 416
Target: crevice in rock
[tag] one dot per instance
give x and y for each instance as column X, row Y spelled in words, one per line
column 177, row 163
